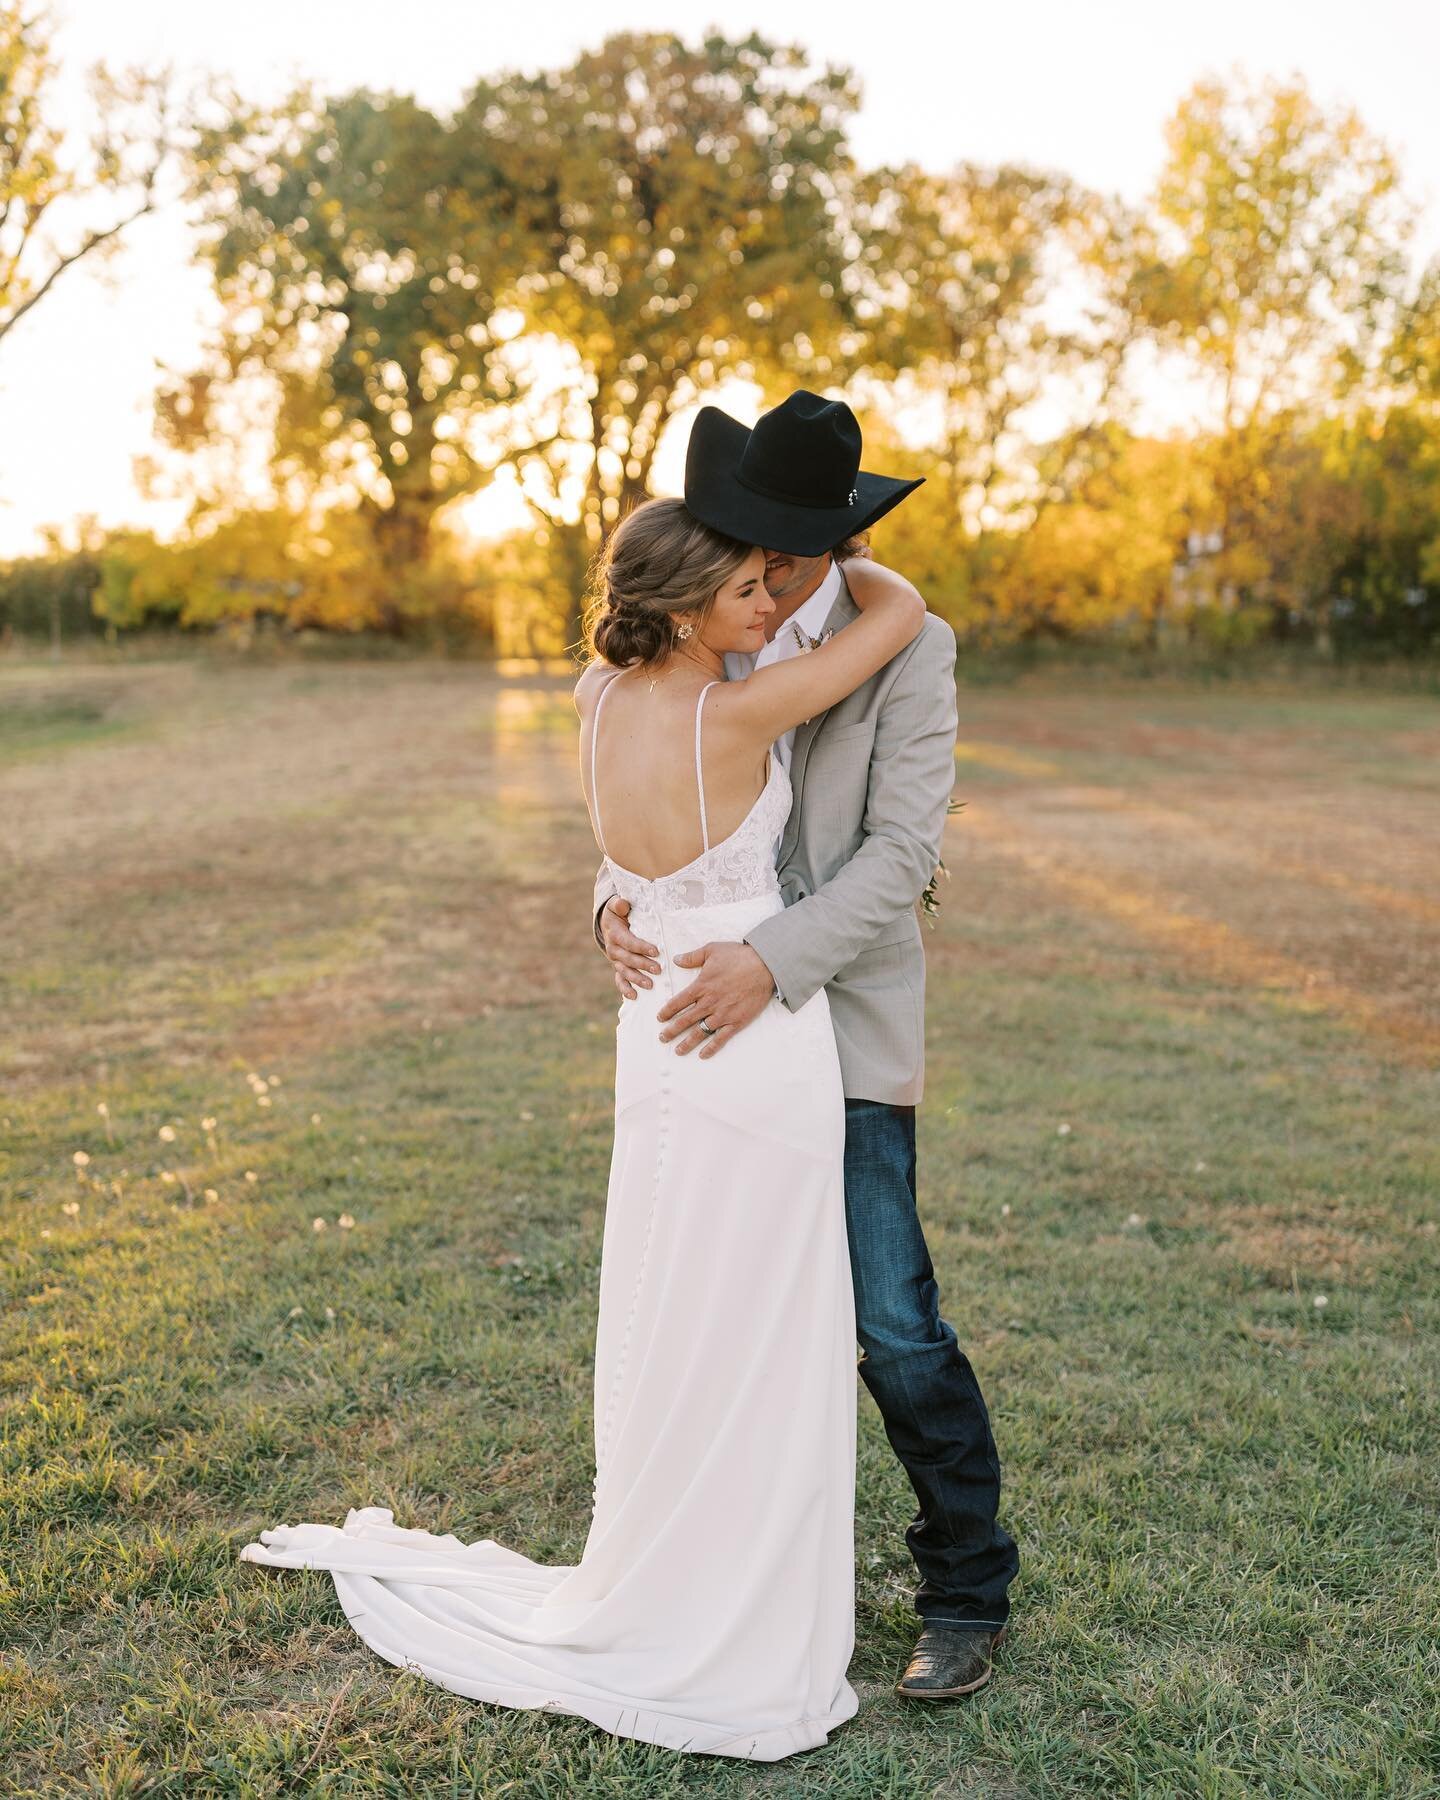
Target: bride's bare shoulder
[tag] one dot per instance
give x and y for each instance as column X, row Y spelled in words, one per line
column 594, row 678
column 727, row 698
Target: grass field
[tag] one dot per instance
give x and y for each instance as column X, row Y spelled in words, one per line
column 298, row 958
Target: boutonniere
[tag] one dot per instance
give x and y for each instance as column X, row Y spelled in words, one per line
column 804, row 641
column 930, row 899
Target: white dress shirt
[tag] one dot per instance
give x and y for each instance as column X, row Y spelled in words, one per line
column 811, row 619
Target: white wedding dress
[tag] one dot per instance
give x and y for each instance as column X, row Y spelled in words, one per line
column 713, row 1607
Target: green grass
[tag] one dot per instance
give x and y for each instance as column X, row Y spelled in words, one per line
column 48, row 724
column 1225, row 1497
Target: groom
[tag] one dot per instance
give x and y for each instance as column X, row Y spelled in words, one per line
column 872, row 780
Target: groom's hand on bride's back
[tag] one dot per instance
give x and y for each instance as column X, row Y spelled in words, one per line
column 733, row 987
column 632, row 960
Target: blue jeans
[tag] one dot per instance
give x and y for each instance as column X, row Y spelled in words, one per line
column 929, row 1399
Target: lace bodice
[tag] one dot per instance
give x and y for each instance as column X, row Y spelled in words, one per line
column 739, row 867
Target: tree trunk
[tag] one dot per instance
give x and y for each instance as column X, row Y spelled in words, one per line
column 402, row 543
column 572, row 547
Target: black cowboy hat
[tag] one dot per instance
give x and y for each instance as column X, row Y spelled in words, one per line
column 793, row 483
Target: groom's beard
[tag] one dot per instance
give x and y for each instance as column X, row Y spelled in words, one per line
column 790, row 581
column 786, row 576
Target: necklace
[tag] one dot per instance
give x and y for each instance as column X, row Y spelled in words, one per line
column 717, row 670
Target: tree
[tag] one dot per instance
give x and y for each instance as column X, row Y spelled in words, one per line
column 1412, row 362
column 1283, row 228
column 114, row 183
column 360, row 246
column 677, row 206
column 1379, row 481
column 989, row 292
column 659, row 217
column 260, row 562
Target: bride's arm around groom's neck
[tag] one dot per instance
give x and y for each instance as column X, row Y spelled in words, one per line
column 911, row 777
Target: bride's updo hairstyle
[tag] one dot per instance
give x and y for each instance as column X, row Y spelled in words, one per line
column 659, row 572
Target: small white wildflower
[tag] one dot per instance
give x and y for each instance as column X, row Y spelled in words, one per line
column 1201, row 1167
column 1062, row 1130
column 45, row 1231
column 329, row 1312
column 1005, row 1210
column 251, row 1176
column 211, row 1195
column 1134, row 1219
column 345, row 1222
column 528, row 1117
column 167, row 1176
column 274, row 1080
column 207, row 1124
column 262, row 1099
column 103, row 1110
column 167, row 1134
column 81, row 1159
column 1321, row 1301
column 314, row 1118
column 71, row 1208
column 317, row 1225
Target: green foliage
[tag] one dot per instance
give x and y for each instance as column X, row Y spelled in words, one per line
column 140, row 582
column 537, row 283
column 1283, row 230
column 960, row 278
column 358, row 245
column 306, row 572
column 1387, row 576
column 663, row 213
column 679, row 205
column 50, row 596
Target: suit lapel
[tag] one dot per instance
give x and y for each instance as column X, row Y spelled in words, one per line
column 840, row 615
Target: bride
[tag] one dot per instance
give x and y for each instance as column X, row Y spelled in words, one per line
column 712, row 1609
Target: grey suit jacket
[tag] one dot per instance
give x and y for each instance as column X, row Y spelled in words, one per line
column 872, row 779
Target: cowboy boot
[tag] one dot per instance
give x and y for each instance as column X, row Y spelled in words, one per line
column 949, row 1660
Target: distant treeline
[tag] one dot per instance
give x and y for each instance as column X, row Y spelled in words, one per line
column 529, row 289
column 1350, row 561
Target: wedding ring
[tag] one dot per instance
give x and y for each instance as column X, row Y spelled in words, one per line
column 707, row 1028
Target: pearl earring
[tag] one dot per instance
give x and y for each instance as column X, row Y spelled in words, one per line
column 683, row 633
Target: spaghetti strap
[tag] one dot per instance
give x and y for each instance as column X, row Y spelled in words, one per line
column 699, row 772
column 594, row 739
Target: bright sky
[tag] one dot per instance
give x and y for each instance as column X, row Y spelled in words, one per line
column 1084, row 88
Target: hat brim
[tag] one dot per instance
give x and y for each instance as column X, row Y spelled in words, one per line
column 717, row 497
